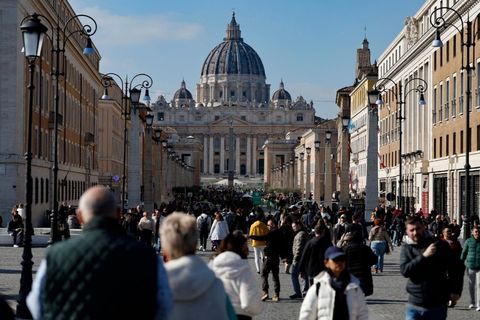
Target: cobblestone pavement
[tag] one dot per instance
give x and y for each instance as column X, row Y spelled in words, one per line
column 387, row 302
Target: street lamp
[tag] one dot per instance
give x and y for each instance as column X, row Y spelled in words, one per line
column 132, row 89
column 345, row 122
column 400, row 114
column 317, row 145
column 328, row 136
column 33, row 32
column 468, row 44
column 59, row 38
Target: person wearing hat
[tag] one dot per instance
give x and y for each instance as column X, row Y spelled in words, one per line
column 335, row 294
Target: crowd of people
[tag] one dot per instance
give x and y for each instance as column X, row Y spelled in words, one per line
column 331, row 256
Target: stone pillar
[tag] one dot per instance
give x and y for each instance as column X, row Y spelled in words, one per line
column 328, row 175
column 308, row 183
column 210, row 157
column 371, row 188
column 148, row 172
column 222, row 155
column 237, row 155
column 249, row 155
column 134, row 160
column 301, row 176
column 205, row 154
column 254, row 156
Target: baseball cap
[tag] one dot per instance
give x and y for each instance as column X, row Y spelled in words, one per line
column 333, row 253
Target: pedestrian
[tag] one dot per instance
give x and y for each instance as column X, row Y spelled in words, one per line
column 436, row 227
column 203, row 226
column 471, row 257
column 157, row 221
column 258, row 228
column 335, row 294
column 299, row 242
column 218, row 231
column 340, row 228
column 360, row 258
column 197, row 293
column 146, row 226
column 15, row 228
column 86, row 276
column 232, row 267
column 432, row 271
column 288, row 234
column 380, row 243
column 273, row 250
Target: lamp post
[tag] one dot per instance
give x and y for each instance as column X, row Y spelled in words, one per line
column 302, row 173
column 468, row 44
column 375, row 98
column 308, row 186
column 60, row 35
column 135, row 93
column 33, row 32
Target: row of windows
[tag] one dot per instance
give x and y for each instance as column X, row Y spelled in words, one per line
column 447, row 145
column 68, row 190
column 390, row 159
column 198, row 117
column 445, row 102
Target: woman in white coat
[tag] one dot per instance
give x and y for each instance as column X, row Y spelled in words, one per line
column 219, row 231
column 232, row 267
column 334, row 290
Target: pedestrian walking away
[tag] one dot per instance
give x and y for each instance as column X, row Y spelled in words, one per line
column 86, row 276
column 471, row 257
column 258, row 228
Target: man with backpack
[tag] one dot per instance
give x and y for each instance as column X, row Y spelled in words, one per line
column 203, row 226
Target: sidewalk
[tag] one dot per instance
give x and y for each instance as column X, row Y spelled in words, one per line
column 39, row 239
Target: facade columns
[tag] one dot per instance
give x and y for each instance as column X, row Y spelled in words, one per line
column 249, row 155
column 302, row 174
column 205, row 154
column 222, row 155
column 308, row 183
column 210, row 158
column 254, row 156
column 328, row 175
column 237, row 155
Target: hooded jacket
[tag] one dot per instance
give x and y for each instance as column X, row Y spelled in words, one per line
column 239, row 283
column 320, row 306
column 197, row 293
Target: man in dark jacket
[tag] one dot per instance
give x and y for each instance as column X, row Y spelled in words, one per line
column 299, row 242
column 311, row 262
column 434, row 280
column 272, row 251
column 86, row 276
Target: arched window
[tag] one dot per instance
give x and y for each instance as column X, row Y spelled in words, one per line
column 300, row 117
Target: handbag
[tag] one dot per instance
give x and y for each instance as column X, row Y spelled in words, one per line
column 387, row 248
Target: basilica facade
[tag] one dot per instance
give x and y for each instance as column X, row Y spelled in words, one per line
column 233, row 114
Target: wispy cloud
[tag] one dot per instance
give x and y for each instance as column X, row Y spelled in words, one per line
column 115, row 29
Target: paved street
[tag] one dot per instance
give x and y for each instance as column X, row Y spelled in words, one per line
column 387, row 302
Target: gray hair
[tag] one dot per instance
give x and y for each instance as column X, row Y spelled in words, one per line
column 179, row 235
column 98, row 201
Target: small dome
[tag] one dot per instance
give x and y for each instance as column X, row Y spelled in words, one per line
column 281, row 94
column 182, row 93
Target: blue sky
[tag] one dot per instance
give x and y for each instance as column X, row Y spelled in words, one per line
column 310, row 44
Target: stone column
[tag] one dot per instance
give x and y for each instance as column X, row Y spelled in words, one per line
column 249, row 155
column 237, row 155
column 210, row 158
column 134, row 160
column 222, row 155
column 254, row 156
column 301, row 176
column 205, row 154
column 328, row 175
column 308, row 182
column 148, row 172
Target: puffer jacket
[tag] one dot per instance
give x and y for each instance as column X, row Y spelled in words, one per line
column 320, row 307
column 258, row 228
column 239, row 283
column 471, row 254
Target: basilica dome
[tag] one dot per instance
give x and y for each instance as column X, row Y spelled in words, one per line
column 233, row 56
column 281, row 93
column 182, row 93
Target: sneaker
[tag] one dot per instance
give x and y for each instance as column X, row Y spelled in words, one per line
column 296, row 296
column 264, row 296
column 15, row 245
column 275, row 298
column 201, row 248
column 478, row 309
column 471, row 306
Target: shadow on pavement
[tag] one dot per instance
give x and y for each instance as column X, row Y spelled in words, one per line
column 385, row 301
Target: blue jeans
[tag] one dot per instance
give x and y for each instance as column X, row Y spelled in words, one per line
column 378, row 247
column 436, row 313
column 295, row 273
